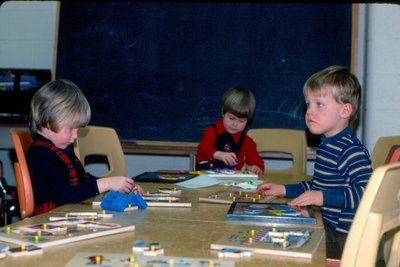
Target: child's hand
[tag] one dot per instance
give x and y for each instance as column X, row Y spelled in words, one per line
column 229, row 158
column 271, row 190
column 310, row 197
column 118, row 183
column 254, row 169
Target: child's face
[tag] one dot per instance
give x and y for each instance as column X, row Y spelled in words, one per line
column 63, row 138
column 232, row 123
column 325, row 115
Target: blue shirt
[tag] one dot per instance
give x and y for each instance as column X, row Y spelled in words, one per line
column 342, row 170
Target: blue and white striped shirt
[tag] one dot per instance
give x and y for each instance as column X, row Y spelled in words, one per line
column 342, row 170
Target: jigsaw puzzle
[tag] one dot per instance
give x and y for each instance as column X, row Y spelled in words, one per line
column 272, row 240
column 84, row 259
column 55, row 233
column 273, row 213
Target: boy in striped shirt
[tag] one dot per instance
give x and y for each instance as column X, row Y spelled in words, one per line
column 343, row 167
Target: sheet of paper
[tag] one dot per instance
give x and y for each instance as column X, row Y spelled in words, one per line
column 199, row 181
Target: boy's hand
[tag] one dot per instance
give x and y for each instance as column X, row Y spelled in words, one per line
column 271, row 190
column 310, row 197
column 229, row 158
column 254, row 169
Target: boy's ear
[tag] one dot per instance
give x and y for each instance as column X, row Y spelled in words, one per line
column 347, row 110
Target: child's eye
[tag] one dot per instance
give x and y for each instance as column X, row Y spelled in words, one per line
column 307, row 104
column 320, row 104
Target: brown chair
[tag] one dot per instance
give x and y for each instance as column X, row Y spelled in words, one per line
column 291, row 143
column 382, row 149
column 22, row 139
column 101, row 144
column 394, row 155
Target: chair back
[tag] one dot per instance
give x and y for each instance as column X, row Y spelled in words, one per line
column 103, row 145
column 394, row 155
column 377, row 217
column 382, row 148
column 292, row 143
column 22, row 139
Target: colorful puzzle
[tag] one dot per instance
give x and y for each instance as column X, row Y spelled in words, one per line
column 271, row 240
column 84, row 259
column 55, row 233
column 273, row 213
column 227, row 197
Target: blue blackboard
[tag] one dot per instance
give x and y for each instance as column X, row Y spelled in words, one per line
column 157, row 71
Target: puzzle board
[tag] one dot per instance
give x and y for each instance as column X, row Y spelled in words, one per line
column 166, row 201
column 84, row 259
column 227, row 197
column 272, row 240
column 230, row 174
column 164, row 177
column 274, row 213
column 52, row 233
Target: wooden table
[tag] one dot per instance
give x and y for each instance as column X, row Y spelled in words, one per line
column 182, row 232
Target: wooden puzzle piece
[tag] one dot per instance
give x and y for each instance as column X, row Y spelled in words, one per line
column 235, row 253
column 148, row 248
column 170, row 190
column 24, row 250
column 74, row 216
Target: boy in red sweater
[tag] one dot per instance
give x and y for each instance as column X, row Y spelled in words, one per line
column 225, row 144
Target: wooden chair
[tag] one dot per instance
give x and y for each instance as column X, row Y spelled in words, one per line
column 394, row 155
column 382, row 148
column 101, row 145
column 290, row 143
column 22, row 139
column 377, row 220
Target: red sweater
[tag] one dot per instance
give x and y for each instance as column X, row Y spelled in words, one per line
column 206, row 147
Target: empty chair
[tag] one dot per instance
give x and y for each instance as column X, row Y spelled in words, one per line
column 292, row 143
column 102, row 145
column 377, row 220
column 382, row 148
column 22, row 139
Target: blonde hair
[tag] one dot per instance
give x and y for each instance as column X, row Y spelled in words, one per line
column 240, row 102
column 343, row 85
column 57, row 104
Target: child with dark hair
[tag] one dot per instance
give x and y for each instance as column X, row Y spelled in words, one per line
column 225, row 144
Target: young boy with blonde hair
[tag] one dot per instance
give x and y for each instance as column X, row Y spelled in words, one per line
column 343, row 167
column 58, row 110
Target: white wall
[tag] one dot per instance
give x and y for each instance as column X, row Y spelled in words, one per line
column 27, row 41
column 382, row 72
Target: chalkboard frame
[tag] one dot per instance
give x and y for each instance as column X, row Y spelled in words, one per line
column 123, row 129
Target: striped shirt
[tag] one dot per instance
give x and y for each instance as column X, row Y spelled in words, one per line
column 342, row 170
